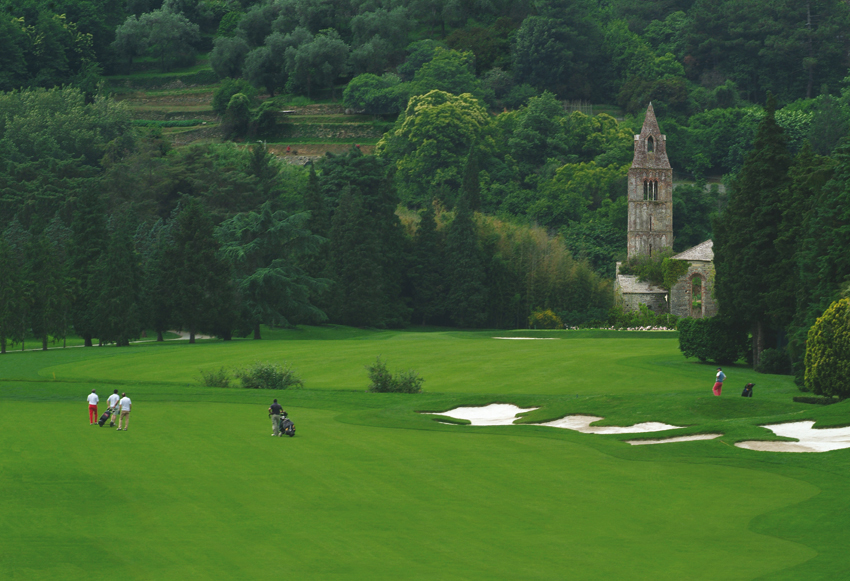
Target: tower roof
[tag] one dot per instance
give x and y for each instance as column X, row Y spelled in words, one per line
column 651, row 144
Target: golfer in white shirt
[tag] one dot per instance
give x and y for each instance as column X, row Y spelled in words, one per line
column 124, row 404
column 93, row 399
column 113, row 405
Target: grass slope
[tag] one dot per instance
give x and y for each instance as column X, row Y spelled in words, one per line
column 196, row 489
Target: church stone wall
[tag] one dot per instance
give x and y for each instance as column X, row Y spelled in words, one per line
column 655, row 301
column 681, row 295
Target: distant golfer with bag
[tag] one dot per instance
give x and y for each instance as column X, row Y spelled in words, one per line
column 274, row 411
column 124, row 405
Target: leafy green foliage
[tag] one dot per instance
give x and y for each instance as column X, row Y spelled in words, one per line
column 660, row 270
column 382, row 381
column 828, row 352
column 715, row 339
column 265, row 375
column 545, row 320
column 214, row 377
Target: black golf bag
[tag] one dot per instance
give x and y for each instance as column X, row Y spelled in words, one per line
column 748, row 390
column 106, row 415
column 287, row 428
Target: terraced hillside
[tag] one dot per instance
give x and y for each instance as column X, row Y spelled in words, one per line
column 185, row 115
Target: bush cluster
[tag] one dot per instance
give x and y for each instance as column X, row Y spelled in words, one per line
column 382, row 381
column 545, row 320
column 259, row 375
column 775, row 361
column 619, row 318
column 714, row 339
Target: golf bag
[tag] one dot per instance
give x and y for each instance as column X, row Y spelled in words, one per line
column 287, row 428
column 106, row 415
column 748, row 390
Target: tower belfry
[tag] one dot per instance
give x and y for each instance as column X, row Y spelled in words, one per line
column 650, row 192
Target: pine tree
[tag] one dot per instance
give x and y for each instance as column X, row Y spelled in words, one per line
column 744, row 252
column 45, row 268
column 264, row 248
column 88, row 239
column 202, row 288
column 120, row 276
column 465, row 271
column 12, row 295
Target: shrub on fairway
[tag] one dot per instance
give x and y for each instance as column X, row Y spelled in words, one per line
column 213, row 378
column 774, row 361
column 262, row 375
column 382, row 381
column 828, row 352
column 713, row 339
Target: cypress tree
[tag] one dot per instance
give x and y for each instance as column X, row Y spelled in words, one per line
column 744, row 251
column 358, row 292
column 465, row 274
column 426, row 273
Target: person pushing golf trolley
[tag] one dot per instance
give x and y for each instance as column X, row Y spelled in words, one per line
column 281, row 424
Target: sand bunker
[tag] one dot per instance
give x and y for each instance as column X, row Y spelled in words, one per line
column 496, row 414
column 810, row 439
column 528, row 338
column 676, row 439
column 582, row 424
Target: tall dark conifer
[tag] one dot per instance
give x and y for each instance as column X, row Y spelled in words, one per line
column 427, row 271
column 744, row 251
column 465, row 273
column 120, row 275
column 824, row 259
column 358, row 293
column 48, row 284
column 202, row 289
column 88, row 239
column 13, row 290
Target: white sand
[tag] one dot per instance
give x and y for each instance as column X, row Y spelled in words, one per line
column 529, row 338
column 676, row 439
column 495, row 414
column 582, row 424
column 810, row 439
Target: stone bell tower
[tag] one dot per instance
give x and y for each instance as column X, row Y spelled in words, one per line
column 650, row 192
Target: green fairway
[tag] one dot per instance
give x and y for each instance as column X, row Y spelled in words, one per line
column 369, row 489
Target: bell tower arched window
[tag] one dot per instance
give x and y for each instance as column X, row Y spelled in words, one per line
column 650, row 144
column 650, row 190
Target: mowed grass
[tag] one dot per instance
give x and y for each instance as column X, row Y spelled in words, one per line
column 369, row 489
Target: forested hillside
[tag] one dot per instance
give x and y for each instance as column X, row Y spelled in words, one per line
column 489, row 183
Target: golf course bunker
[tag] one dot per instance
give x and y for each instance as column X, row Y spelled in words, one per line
column 582, row 424
column 693, row 438
column 810, row 439
column 495, row 414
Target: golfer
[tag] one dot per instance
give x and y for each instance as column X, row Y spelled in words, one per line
column 124, row 405
column 718, row 382
column 93, row 399
column 274, row 410
column 112, row 402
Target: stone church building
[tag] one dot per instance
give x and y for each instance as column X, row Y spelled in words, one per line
column 650, row 231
